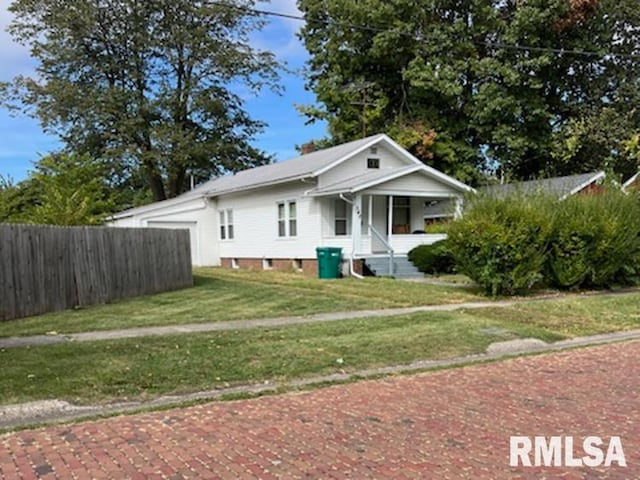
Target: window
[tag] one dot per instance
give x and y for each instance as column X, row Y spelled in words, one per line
column 282, row 230
column 230, row 224
column 373, row 163
column 267, row 264
column 235, row 264
column 293, row 225
column 287, row 219
column 401, row 215
column 341, row 225
column 226, row 224
column 297, row 264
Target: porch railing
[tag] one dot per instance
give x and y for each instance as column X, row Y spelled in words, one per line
column 388, row 246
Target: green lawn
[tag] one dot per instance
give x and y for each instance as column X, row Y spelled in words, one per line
column 220, row 295
column 144, row 368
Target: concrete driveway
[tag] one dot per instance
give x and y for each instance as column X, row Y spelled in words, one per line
column 453, row 424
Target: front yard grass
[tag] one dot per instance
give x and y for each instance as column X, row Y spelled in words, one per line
column 220, row 295
column 148, row 367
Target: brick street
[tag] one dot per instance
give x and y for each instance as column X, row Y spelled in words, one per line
column 452, row 423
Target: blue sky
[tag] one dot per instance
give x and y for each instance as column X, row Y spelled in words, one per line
column 22, row 140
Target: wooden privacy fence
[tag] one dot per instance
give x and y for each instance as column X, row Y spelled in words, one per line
column 45, row 268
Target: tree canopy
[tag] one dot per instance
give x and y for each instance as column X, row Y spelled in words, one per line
column 61, row 190
column 153, row 87
column 477, row 85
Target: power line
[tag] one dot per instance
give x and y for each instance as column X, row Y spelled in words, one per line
column 502, row 45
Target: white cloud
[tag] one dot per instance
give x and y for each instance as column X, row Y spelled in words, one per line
column 280, row 34
column 14, row 58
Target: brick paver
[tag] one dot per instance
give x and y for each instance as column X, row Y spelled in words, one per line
column 443, row 425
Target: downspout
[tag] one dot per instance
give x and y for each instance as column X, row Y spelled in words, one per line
column 352, row 272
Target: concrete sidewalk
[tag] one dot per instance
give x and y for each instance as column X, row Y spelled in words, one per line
column 40, row 340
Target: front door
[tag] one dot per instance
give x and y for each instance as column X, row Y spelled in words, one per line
column 380, row 223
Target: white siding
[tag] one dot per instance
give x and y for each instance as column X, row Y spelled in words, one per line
column 413, row 184
column 197, row 214
column 358, row 165
column 255, row 217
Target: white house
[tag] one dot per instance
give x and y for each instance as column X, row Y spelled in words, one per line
column 368, row 197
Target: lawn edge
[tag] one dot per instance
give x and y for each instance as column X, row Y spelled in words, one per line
column 68, row 413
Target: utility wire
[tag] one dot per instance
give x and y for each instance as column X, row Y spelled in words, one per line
column 502, row 45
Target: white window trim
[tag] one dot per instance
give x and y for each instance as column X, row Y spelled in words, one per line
column 287, row 219
column 223, row 217
column 347, row 218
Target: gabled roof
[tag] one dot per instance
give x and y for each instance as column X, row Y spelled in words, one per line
column 631, row 181
column 303, row 166
column 360, row 182
column 309, row 165
column 561, row 187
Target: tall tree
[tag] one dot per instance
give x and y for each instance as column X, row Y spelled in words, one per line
column 150, row 85
column 61, row 190
column 452, row 80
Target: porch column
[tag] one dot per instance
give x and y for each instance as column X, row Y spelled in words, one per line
column 390, row 220
column 356, row 223
column 369, row 223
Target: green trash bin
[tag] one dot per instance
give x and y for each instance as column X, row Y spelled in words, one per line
column 329, row 261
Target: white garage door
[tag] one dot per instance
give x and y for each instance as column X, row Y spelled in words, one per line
column 193, row 234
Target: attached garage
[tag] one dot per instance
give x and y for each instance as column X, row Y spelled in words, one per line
column 185, row 225
column 191, row 212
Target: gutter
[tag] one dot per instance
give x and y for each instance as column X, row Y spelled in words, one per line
column 352, row 272
column 143, row 210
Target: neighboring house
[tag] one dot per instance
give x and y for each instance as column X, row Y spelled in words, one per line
column 632, row 184
column 562, row 187
column 366, row 196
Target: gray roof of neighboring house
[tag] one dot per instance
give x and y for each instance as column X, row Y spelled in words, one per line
column 559, row 186
column 631, row 181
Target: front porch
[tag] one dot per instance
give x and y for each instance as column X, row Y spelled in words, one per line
column 382, row 212
column 370, row 224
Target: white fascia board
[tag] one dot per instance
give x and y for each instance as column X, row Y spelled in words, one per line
column 344, row 158
column 429, row 172
column 255, row 186
column 414, row 193
column 595, row 178
column 388, row 178
column 172, row 202
column 436, row 173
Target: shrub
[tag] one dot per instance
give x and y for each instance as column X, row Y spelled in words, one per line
column 595, row 241
column 510, row 245
column 502, row 243
column 438, row 227
column 433, row 259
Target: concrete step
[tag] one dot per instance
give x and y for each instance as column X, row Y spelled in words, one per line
column 402, row 267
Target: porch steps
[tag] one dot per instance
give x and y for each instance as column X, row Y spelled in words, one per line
column 402, row 267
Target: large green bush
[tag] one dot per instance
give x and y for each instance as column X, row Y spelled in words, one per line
column 511, row 245
column 433, row 259
column 595, row 240
column 502, row 243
